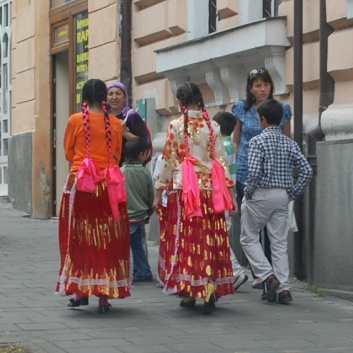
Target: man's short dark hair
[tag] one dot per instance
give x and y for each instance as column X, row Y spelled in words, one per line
column 134, row 147
column 272, row 110
column 226, row 121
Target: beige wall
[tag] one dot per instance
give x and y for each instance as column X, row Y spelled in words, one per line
column 104, row 56
column 31, row 94
column 150, row 35
column 340, row 54
column 23, row 66
column 155, row 27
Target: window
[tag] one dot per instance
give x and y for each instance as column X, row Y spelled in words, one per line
column 212, row 16
column 349, row 8
column 57, row 3
column 270, row 8
column 5, row 47
column 5, row 91
column 81, row 54
column 61, row 34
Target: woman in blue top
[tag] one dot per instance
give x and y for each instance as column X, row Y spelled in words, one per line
column 259, row 88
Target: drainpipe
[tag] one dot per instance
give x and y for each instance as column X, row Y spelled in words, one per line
column 298, row 266
column 125, row 46
column 327, row 83
column 316, row 134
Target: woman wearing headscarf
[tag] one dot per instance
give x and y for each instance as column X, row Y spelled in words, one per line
column 133, row 123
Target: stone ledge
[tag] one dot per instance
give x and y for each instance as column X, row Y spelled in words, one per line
column 342, row 294
column 337, row 122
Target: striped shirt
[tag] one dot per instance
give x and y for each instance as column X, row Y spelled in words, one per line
column 272, row 155
column 231, row 156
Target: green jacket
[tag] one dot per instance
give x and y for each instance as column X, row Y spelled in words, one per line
column 139, row 189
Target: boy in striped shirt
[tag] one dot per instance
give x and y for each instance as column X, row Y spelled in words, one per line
column 268, row 190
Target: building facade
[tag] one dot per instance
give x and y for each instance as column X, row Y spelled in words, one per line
column 5, row 92
column 153, row 46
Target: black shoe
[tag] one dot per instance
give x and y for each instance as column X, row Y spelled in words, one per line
column 143, row 278
column 104, row 308
column 75, row 303
column 188, row 303
column 271, row 284
column 209, row 306
column 210, row 301
column 284, row 297
column 273, row 300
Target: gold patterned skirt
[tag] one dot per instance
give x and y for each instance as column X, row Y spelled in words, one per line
column 194, row 251
column 94, row 249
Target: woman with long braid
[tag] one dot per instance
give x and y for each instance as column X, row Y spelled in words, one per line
column 94, row 236
column 195, row 262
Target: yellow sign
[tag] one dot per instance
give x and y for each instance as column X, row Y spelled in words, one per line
column 81, row 54
column 61, row 34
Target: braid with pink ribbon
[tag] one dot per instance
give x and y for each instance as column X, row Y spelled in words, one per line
column 107, row 129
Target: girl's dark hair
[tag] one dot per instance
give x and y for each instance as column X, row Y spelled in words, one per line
column 134, row 147
column 94, row 92
column 226, row 121
column 254, row 75
column 190, row 94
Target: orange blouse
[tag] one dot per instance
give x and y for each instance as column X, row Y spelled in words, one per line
column 75, row 140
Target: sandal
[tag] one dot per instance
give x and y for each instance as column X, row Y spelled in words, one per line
column 188, row 303
column 103, row 305
column 78, row 302
column 257, row 284
column 104, row 308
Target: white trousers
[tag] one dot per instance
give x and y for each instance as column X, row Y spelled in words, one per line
column 237, row 269
column 268, row 207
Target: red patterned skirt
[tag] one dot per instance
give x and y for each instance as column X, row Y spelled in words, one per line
column 94, row 249
column 194, row 251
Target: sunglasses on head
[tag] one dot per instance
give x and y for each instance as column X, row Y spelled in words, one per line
column 257, row 71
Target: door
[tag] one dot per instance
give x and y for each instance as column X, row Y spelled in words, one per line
column 61, row 111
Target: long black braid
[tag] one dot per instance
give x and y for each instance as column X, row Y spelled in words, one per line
column 94, row 92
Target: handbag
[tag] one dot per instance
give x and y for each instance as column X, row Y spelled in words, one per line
column 291, row 221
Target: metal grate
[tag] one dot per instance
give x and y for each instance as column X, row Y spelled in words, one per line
column 212, row 16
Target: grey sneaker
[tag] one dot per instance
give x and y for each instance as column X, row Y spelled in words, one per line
column 240, row 280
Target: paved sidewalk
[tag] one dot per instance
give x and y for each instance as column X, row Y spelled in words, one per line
column 149, row 321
